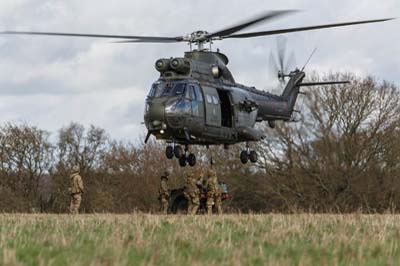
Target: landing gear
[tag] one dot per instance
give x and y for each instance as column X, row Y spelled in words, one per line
column 182, row 155
column 253, row 156
column 191, row 159
column 244, row 157
column 178, row 152
column 182, row 161
column 185, row 160
column 247, row 155
column 169, row 152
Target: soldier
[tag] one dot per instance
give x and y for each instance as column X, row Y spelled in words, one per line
column 213, row 191
column 164, row 193
column 192, row 193
column 75, row 190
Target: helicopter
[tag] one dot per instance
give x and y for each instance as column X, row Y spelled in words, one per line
column 196, row 100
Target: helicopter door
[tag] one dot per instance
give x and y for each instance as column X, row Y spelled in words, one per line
column 226, row 108
column 196, row 99
column 213, row 109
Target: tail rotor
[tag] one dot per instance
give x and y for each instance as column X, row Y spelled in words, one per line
column 280, row 63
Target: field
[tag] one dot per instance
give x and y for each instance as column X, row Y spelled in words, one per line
column 144, row 239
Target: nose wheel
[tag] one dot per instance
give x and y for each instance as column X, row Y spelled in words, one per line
column 169, row 152
column 182, row 155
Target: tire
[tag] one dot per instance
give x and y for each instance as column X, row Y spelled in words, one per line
column 191, row 159
column 244, row 157
column 183, row 161
column 178, row 152
column 180, row 206
column 169, row 152
column 253, row 156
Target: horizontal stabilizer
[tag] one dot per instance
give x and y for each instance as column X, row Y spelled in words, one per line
column 305, row 84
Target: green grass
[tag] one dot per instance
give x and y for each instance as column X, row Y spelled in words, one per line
column 141, row 239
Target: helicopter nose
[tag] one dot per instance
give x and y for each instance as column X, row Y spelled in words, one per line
column 156, row 111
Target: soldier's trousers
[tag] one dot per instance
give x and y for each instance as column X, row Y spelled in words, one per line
column 194, row 204
column 164, row 205
column 216, row 199
column 75, row 203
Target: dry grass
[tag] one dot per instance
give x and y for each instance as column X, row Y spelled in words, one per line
column 141, row 239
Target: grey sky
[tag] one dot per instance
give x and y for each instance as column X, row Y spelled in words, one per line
column 48, row 81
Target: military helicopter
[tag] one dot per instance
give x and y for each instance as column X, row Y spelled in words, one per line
column 196, row 100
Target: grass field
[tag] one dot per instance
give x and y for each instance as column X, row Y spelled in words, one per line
column 141, row 239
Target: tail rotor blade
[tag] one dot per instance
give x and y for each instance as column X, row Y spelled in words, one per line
column 273, row 66
column 281, row 48
column 291, row 63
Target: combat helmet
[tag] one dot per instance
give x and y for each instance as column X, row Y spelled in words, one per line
column 76, row 169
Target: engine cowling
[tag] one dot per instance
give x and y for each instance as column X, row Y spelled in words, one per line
column 180, row 65
column 163, row 65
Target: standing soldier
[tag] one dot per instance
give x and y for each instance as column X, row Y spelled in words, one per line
column 164, row 193
column 75, row 190
column 213, row 191
column 192, row 193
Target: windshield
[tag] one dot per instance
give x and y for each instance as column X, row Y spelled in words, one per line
column 160, row 89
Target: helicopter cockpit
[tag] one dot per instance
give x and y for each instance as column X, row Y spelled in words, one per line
column 164, row 89
column 174, row 95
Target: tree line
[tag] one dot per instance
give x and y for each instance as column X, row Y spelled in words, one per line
column 340, row 154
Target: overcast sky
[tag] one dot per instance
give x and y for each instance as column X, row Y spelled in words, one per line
column 51, row 81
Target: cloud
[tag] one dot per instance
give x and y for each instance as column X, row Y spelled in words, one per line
column 49, row 81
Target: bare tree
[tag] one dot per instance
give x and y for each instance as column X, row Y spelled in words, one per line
column 338, row 153
column 25, row 157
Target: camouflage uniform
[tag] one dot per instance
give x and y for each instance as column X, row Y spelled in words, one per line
column 164, row 193
column 213, row 192
column 192, row 193
column 75, row 190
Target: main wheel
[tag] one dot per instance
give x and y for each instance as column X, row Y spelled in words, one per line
column 253, row 156
column 191, row 159
column 182, row 161
column 244, row 157
column 169, row 152
column 178, row 152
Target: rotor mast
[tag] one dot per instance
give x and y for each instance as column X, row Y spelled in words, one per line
column 200, row 39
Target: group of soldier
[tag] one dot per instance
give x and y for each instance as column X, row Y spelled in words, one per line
column 206, row 179
column 194, row 181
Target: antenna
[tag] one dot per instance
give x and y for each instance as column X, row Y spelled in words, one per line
column 309, row 59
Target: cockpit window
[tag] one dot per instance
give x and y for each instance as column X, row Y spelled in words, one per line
column 179, row 89
column 157, row 89
column 161, row 89
column 174, row 89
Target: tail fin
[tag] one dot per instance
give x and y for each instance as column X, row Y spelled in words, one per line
column 292, row 89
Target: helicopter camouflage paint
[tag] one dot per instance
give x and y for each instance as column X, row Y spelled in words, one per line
column 196, row 100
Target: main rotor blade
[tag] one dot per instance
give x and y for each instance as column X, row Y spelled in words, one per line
column 263, row 17
column 273, row 32
column 147, row 41
column 142, row 38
